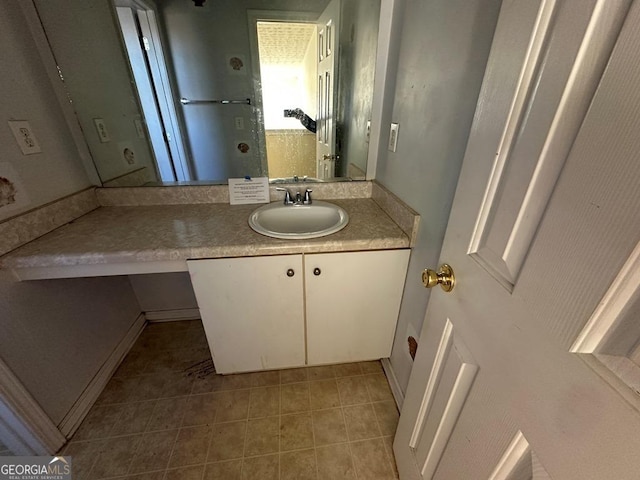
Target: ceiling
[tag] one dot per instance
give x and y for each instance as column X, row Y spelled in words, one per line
column 284, row 43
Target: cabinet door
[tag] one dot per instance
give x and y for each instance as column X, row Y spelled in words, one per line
column 252, row 311
column 352, row 304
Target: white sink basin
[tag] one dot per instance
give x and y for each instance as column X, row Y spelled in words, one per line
column 298, row 222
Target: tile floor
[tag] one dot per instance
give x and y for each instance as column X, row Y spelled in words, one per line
column 166, row 415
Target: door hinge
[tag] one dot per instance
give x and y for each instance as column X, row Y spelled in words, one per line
column 145, row 44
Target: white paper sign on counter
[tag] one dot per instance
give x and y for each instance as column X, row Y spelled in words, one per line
column 248, row 190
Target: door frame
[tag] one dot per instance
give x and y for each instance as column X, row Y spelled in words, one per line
column 165, row 95
column 24, row 427
column 158, row 105
column 253, row 17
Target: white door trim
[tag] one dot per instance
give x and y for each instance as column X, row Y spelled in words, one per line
column 389, row 32
column 24, row 427
column 165, row 94
column 253, row 17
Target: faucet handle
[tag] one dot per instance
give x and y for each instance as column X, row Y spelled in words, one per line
column 287, row 195
column 307, row 196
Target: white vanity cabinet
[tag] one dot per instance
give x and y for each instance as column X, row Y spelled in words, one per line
column 251, row 310
column 292, row 310
column 352, row 304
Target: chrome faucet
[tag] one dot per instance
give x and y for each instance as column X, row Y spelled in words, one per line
column 287, row 195
column 299, row 199
column 307, row 197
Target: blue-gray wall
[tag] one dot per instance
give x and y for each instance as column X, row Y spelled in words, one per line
column 443, row 53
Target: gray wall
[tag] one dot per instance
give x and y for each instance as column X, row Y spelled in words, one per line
column 164, row 291
column 444, row 49
column 54, row 335
column 358, row 45
column 27, row 94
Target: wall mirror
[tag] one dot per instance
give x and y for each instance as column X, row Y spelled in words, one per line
column 173, row 92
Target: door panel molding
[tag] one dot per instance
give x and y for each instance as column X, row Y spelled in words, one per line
column 519, row 191
column 610, row 340
column 427, row 451
column 527, row 81
column 518, row 462
column 512, row 459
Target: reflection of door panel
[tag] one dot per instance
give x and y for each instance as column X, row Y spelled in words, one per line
column 144, row 86
column 164, row 94
column 328, row 31
column 528, row 228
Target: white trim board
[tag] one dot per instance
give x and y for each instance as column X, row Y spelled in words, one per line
column 24, row 427
column 172, row 315
column 394, row 384
column 81, row 407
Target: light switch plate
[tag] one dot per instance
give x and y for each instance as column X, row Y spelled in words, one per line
column 393, row 137
column 25, row 137
column 101, row 128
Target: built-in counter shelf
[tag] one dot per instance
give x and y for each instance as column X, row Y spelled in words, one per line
column 161, row 238
column 265, row 302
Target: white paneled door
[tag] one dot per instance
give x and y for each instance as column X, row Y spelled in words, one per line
column 529, row 368
column 328, row 42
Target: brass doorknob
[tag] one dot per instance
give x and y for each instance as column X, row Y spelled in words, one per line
column 444, row 276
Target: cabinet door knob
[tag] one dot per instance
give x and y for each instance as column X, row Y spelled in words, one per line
column 290, row 272
column 317, row 271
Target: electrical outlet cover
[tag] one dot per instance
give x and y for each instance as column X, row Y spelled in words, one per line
column 393, row 137
column 139, row 128
column 25, row 137
column 101, row 128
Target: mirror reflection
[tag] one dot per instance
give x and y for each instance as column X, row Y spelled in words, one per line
column 232, row 88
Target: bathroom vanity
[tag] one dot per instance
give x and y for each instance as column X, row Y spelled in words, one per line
column 265, row 303
column 294, row 310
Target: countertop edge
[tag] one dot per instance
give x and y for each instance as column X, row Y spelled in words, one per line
column 43, row 262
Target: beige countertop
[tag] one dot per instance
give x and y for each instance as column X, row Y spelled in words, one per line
column 148, row 239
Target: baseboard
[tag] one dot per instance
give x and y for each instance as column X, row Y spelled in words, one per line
column 80, row 408
column 393, row 382
column 173, row 315
column 24, row 427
